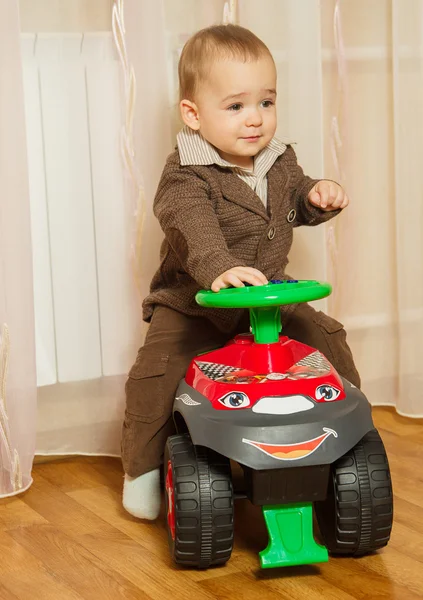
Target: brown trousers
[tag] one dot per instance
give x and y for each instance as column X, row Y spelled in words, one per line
column 172, row 340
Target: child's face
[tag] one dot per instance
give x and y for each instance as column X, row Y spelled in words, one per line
column 235, row 108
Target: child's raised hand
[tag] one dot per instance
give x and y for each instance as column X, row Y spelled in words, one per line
column 328, row 195
column 237, row 276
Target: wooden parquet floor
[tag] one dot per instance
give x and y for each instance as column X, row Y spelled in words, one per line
column 68, row 538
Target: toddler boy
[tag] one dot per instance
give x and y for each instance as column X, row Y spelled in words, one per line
column 228, row 200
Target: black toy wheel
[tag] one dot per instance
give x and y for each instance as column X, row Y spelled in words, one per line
column 356, row 517
column 199, row 503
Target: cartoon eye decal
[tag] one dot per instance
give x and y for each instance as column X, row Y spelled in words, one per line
column 327, row 393
column 235, row 400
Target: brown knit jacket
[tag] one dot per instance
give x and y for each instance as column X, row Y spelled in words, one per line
column 214, row 221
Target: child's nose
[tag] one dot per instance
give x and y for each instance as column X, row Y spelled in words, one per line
column 254, row 118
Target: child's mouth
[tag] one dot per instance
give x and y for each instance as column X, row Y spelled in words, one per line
column 252, row 138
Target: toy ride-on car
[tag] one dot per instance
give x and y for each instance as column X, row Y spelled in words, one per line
column 303, row 435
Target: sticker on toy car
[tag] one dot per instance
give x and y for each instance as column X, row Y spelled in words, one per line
column 312, row 366
column 242, row 377
column 292, row 451
column 317, row 361
column 215, row 370
column 186, row 399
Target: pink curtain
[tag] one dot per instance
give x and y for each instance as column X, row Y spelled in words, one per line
column 372, row 254
column 17, row 353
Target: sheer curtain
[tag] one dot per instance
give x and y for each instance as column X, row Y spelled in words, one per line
column 350, row 96
column 407, row 62
column 17, row 349
column 375, row 90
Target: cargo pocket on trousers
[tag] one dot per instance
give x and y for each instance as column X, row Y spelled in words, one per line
column 338, row 351
column 145, row 387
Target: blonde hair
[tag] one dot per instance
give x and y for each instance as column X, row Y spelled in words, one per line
column 213, row 43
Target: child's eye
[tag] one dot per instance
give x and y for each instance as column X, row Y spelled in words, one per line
column 235, row 107
column 266, row 103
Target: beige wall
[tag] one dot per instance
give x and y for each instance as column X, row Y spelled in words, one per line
column 65, row 15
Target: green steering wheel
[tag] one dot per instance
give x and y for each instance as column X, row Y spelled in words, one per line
column 264, row 301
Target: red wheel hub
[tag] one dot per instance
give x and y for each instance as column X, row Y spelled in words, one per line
column 170, row 500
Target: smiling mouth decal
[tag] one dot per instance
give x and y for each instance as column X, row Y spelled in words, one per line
column 292, row 451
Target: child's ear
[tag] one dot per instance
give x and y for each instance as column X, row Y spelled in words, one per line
column 189, row 114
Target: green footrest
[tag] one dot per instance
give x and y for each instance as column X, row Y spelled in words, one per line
column 291, row 540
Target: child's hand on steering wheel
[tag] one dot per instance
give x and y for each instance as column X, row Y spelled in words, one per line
column 237, row 276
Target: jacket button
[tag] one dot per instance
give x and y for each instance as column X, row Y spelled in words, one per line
column 271, row 233
column 291, row 215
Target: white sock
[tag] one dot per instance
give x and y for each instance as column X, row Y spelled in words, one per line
column 141, row 495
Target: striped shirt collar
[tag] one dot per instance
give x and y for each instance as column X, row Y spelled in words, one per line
column 195, row 150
